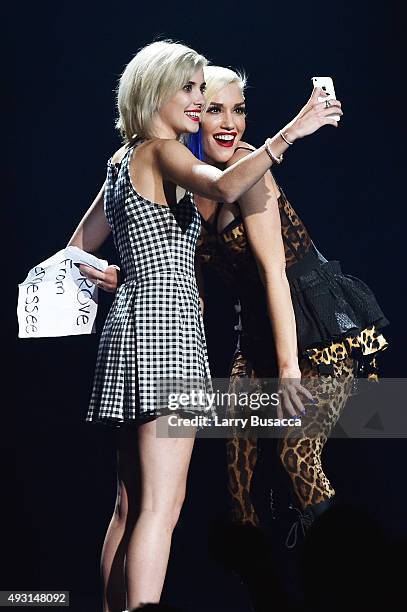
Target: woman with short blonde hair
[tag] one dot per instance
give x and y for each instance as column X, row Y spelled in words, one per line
column 218, row 77
column 263, row 252
column 152, row 77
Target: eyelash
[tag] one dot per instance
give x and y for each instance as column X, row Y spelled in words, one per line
column 188, row 88
column 239, row 111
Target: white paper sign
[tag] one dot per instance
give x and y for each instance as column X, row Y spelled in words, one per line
column 56, row 299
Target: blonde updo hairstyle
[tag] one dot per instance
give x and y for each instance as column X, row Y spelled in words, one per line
column 218, row 77
column 149, row 80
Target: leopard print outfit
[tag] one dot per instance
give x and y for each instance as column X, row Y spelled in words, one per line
column 333, row 351
column 299, row 449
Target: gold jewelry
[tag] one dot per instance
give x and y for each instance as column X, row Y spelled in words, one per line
column 270, row 153
column 285, row 139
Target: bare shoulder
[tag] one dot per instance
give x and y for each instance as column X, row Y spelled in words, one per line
column 242, row 149
column 120, row 153
column 171, row 156
column 144, row 150
column 245, row 146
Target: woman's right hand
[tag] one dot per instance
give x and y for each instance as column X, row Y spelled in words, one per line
column 313, row 116
column 292, row 393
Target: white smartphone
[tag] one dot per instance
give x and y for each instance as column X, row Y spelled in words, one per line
column 327, row 85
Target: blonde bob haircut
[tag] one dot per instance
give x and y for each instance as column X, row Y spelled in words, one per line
column 149, row 80
column 218, row 77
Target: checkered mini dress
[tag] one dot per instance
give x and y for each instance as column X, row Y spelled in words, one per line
column 154, row 330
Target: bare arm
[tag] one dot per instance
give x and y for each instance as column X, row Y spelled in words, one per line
column 91, row 233
column 259, row 207
column 89, row 236
column 179, row 166
column 261, row 217
column 94, row 228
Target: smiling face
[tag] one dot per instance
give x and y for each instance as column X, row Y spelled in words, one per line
column 182, row 113
column 223, row 124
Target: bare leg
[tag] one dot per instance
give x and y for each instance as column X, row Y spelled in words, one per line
column 122, row 522
column 164, row 466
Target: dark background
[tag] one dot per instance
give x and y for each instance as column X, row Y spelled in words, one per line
column 347, row 185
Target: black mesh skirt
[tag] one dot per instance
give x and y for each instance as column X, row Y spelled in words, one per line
column 328, row 304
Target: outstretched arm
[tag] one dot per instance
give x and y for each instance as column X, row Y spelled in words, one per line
column 179, row 166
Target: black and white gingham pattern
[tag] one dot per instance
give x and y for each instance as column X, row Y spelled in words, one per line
column 154, row 329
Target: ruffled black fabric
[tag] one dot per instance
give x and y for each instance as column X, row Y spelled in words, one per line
column 330, row 305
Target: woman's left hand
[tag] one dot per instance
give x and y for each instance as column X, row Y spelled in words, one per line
column 290, row 391
column 107, row 280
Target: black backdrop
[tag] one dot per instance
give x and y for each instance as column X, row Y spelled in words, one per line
column 347, row 184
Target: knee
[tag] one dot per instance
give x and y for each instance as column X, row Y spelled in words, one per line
column 167, row 514
column 174, row 508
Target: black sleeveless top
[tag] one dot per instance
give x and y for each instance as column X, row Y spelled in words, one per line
column 336, row 314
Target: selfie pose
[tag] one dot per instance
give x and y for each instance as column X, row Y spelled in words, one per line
column 264, row 253
column 154, row 328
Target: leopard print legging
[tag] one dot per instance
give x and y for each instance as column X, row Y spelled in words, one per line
column 301, row 447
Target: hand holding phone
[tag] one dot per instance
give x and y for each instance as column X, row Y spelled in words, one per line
column 315, row 114
column 326, row 84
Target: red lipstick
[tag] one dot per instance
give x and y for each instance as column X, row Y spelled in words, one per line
column 223, row 142
column 195, row 110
